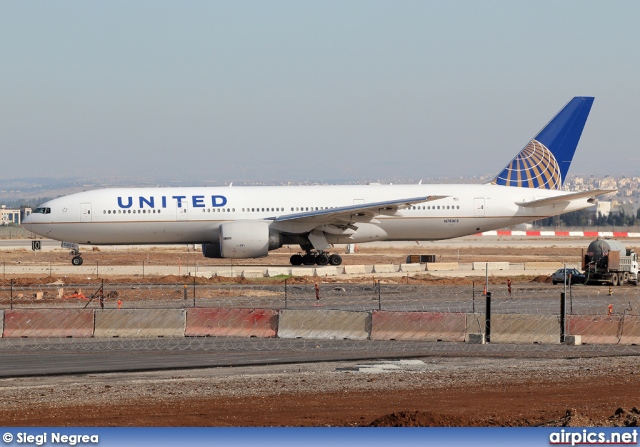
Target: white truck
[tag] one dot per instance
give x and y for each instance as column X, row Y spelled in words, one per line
column 608, row 262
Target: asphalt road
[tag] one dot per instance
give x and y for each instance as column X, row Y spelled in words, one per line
column 35, row 357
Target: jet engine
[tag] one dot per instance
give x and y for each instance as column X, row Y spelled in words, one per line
column 243, row 239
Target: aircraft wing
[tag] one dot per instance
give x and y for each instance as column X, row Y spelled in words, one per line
column 565, row 198
column 354, row 213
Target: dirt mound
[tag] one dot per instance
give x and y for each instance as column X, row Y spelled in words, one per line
column 417, row 419
column 624, row 418
column 542, row 279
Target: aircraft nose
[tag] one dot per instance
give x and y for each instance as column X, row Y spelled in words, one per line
column 27, row 222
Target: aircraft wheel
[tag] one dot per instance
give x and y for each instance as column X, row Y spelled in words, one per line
column 76, row 260
column 322, row 259
column 335, row 260
column 296, row 260
column 308, row 259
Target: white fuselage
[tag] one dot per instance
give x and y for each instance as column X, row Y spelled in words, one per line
column 193, row 215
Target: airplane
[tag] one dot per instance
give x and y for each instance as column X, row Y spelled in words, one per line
column 248, row 221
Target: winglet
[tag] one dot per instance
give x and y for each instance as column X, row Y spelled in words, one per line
column 544, row 162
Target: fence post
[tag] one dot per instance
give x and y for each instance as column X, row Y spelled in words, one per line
column 194, row 291
column 473, row 297
column 563, row 312
column 285, row 293
column 487, row 321
column 11, row 281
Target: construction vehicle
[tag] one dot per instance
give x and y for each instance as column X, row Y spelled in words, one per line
column 608, row 262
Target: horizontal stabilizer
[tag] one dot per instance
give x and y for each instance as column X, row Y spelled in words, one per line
column 565, row 198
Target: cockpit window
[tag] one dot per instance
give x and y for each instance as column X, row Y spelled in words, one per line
column 42, row 211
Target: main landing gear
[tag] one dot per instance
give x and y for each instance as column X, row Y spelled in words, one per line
column 311, row 258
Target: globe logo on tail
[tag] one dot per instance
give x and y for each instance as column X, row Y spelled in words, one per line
column 534, row 167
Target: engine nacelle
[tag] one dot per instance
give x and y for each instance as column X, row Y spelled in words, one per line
column 243, row 239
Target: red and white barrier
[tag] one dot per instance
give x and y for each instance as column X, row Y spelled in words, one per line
column 544, row 233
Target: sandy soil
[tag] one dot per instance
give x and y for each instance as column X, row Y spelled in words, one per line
column 442, row 392
column 366, row 255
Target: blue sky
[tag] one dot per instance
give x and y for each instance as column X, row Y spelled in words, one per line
column 251, row 90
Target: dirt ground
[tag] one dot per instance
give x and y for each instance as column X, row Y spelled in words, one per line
column 188, row 255
column 447, row 392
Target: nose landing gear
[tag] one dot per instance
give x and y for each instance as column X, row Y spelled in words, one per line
column 75, row 251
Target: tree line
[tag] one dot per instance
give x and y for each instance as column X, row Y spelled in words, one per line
column 584, row 218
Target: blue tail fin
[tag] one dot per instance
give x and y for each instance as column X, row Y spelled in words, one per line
column 544, row 162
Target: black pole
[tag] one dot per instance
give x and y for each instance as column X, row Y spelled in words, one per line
column 487, row 322
column 473, row 297
column 563, row 312
column 11, row 294
column 285, row 293
column 97, row 270
column 194, row 291
column 379, row 297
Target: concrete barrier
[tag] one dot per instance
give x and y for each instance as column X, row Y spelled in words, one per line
column 491, row 265
column 411, row 268
column 231, row 323
column 425, row 326
column 572, row 340
column 476, row 339
column 543, row 265
column 442, row 266
column 228, row 273
column 354, row 270
column 140, row 323
column 48, row 323
column 278, row 271
column 301, row 271
column 475, row 323
column 600, row 329
column 518, row 328
column 326, row 271
column 252, row 274
column 324, row 324
column 384, row 268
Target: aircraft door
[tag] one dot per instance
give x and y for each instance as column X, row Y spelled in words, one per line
column 85, row 212
column 478, row 207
